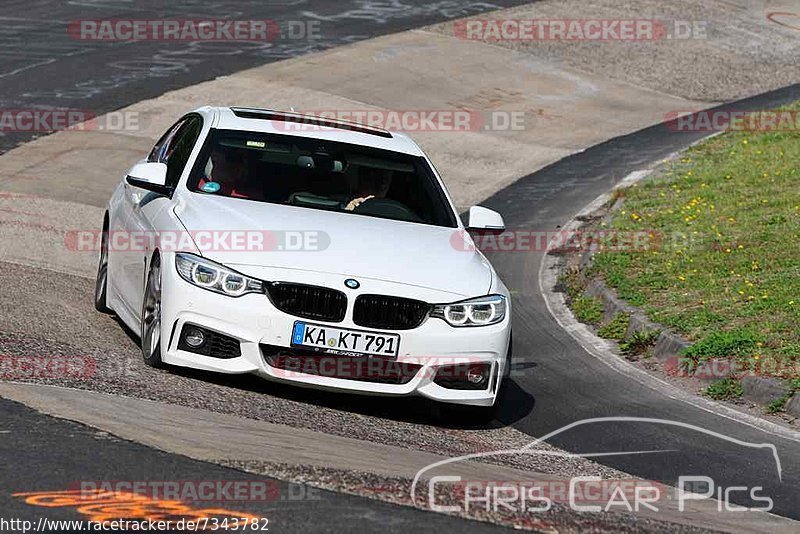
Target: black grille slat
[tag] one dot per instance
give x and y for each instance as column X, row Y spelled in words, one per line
column 309, row 302
column 392, row 313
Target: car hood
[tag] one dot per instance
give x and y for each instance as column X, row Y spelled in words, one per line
column 351, row 245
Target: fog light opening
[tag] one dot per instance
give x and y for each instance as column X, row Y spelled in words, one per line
column 473, row 376
column 477, row 375
column 195, row 338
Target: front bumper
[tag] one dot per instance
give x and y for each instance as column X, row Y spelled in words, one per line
column 255, row 322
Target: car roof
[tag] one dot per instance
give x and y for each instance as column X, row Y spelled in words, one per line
column 308, row 126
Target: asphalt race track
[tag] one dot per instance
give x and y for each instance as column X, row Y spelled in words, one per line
column 53, row 455
column 555, row 382
column 42, row 66
column 568, row 385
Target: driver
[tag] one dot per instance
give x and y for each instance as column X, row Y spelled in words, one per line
column 372, row 183
column 230, row 168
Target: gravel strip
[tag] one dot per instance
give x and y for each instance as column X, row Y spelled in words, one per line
column 740, row 52
column 50, row 315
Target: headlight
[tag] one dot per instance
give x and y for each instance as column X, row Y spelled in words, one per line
column 479, row 311
column 214, row 277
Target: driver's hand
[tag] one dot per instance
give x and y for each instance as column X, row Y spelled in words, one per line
column 353, row 204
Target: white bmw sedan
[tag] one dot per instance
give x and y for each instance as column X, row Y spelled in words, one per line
column 320, row 253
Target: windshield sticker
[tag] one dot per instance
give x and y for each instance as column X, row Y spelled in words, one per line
column 211, row 187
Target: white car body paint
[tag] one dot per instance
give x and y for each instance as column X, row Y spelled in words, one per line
column 387, row 257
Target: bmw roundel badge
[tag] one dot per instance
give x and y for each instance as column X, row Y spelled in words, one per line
column 352, row 284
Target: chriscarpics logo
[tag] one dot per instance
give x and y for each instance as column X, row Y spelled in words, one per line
column 784, row 13
column 691, row 485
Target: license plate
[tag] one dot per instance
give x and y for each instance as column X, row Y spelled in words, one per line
column 344, row 340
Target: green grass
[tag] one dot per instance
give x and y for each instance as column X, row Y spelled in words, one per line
column 778, row 405
column 727, row 388
column 587, row 309
column 726, row 271
column 616, row 328
column 638, row 343
column 737, row 343
column 571, row 283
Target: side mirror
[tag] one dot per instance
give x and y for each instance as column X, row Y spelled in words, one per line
column 151, row 176
column 484, row 220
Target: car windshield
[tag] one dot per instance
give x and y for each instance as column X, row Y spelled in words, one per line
column 320, row 174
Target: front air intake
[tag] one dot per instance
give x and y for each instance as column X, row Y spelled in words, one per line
column 391, row 313
column 309, row 302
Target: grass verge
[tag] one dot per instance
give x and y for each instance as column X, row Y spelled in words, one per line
column 726, row 269
column 616, row 327
column 725, row 389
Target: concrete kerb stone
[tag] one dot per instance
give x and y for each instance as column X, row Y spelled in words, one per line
column 793, row 405
column 764, row 390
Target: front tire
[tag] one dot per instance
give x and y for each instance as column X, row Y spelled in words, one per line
column 151, row 316
column 101, row 282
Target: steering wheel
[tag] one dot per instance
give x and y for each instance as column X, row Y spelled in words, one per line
column 386, row 207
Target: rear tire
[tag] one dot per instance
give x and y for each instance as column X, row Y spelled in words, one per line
column 101, row 282
column 151, row 316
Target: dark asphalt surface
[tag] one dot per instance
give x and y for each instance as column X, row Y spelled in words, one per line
column 46, row 455
column 560, row 383
column 557, row 382
column 44, row 67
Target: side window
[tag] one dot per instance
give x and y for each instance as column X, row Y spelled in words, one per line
column 175, row 152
